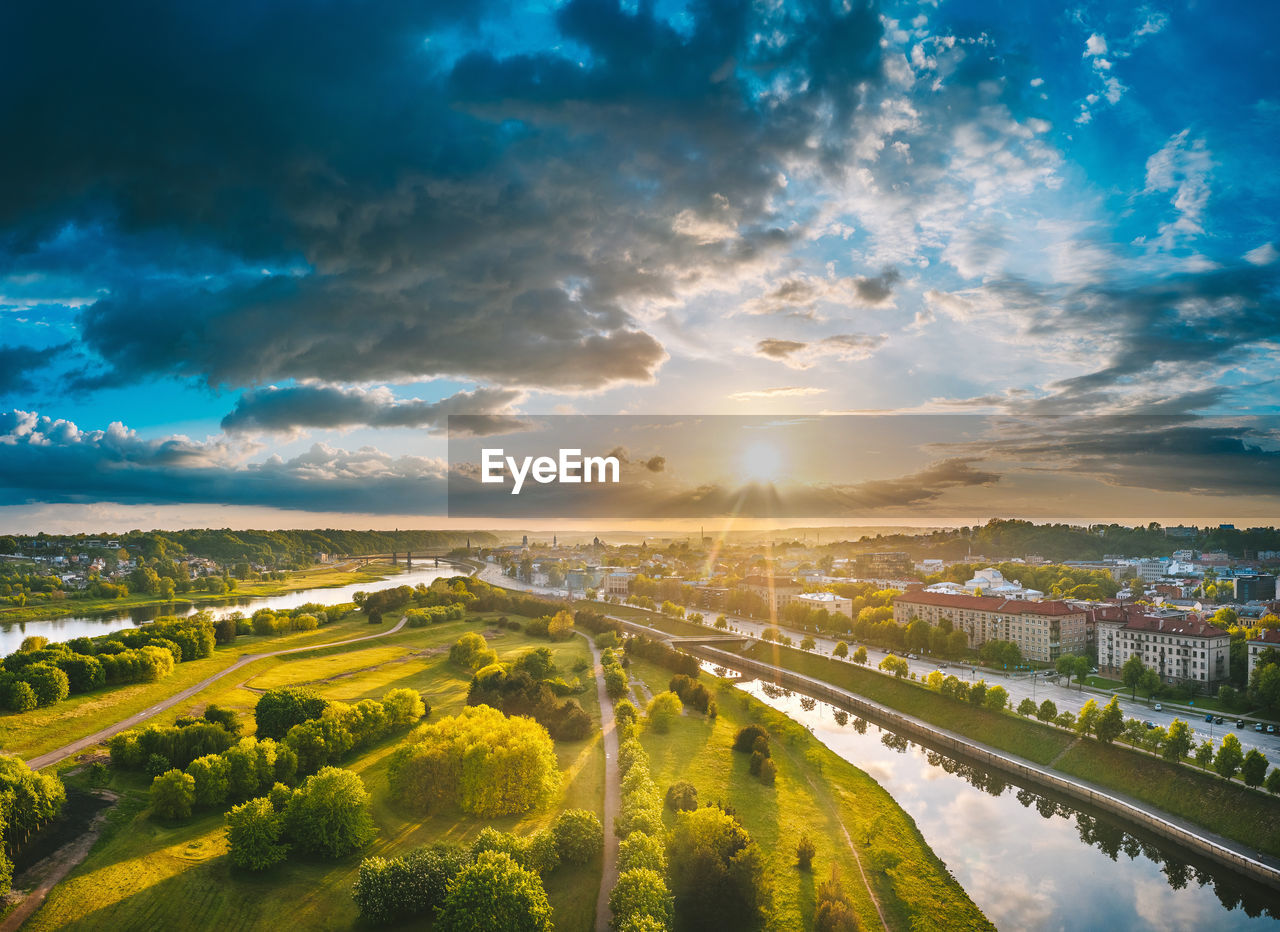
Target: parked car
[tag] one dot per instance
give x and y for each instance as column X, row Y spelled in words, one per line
column 1218, row 720
column 1158, row 707
column 1271, row 729
column 1258, row 727
column 1239, row 723
column 912, row 657
column 1208, row 718
column 1150, row 724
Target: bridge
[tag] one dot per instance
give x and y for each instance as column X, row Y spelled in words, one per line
column 395, row 558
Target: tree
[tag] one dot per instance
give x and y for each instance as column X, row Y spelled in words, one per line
column 254, row 835
column 172, row 795
column 1254, row 768
column 494, row 894
column 1273, row 781
column 638, row 893
column 413, row 885
column 330, row 814
column 997, row 698
column 1026, row 707
column 278, row 710
column 860, row 656
column 1230, row 756
column 560, row 626
column 1110, row 724
column 1087, row 719
column 808, row 643
column 805, row 851
column 833, row 912
column 1132, row 672
column 841, row 651
column 681, row 797
column 717, row 873
column 472, row 652
column 1179, row 741
column 1149, row 682
column 579, row 836
column 1048, row 711
column 210, row 775
column 1204, row 754
column 662, row 710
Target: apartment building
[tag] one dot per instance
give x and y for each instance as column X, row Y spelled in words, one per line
column 777, row 591
column 1180, row 647
column 828, row 601
column 1043, row 631
column 1269, row 638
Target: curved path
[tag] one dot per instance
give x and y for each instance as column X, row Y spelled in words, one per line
column 75, row 747
column 612, row 790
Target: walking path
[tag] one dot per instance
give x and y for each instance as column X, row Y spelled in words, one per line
column 75, row 747
column 612, row 791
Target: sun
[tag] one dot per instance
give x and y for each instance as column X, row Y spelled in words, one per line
column 760, row 462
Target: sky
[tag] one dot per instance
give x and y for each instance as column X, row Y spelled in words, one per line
column 253, row 255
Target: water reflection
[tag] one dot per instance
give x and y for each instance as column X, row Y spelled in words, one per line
column 74, row 626
column 1029, row 860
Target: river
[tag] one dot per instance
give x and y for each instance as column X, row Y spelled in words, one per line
column 74, row 626
column 1029, row 860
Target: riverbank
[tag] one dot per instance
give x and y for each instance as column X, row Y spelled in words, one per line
column 320, row 577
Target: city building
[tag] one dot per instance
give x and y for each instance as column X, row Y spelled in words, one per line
column 618, row 583
column 777, row 591
column 1269, row 638
column 1255, row 588
column 1043, row 631
column 889, row 563
column 827, row 601
column 1181, row 647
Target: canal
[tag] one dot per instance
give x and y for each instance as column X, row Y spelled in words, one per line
column 1028, row 859
column 74, row 626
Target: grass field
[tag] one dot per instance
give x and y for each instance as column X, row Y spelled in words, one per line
column 144, row 875
column 819, row 794
column 320, row 577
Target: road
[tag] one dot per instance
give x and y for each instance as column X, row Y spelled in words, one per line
column 612, row 789
column 75, row 747
column 1019, row 685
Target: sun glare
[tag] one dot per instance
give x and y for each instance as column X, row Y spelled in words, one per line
column 760, row 462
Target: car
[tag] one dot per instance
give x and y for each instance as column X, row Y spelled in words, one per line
column 1094, row 670
column 942, row 666
column 912, row 657
column 1218, row 720
column 1258, row 726
column 1271, row 729
column 1239, row 723
column 1149, row 724
column 1209, row 719
column 1158, row 707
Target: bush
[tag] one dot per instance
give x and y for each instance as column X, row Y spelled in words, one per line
column 329, row 814
column 805, row 852
column 682, row 797
column 479, row 760
column 579, row 836
column 641, row 850
column 745, row 740
column 173, row 793
column 410, row 886
column 494, row 894
column 471, row 652
column 22, row 698
column 278, row 710
column 254, row 835
column 717, row 872
column 641, row 892
column 663, row 709
column 768, row 772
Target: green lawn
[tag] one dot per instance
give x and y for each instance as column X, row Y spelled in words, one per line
column 817, row 793
column 143, row 875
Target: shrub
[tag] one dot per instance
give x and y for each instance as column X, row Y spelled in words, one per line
column 494, row 894
column 641, row 850
column 480, row 760
column 768, row 772
column 254, row 835
column 745, row 740
column 579, row 836
column 641, row 892
column 278, row 710
column 717, row 872
column 173, row 793
column 682, row 797
column 329, row 814
column 471, row 652
column 663, row 709
column 22, row 698
column 805, row 852
column 413, row 885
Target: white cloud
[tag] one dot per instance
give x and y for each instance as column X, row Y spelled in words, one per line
column 1263, row 255
column 1182, row 165
column 1095, row 45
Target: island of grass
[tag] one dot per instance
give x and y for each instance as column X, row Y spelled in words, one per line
column 884, row 866
column 145, row 873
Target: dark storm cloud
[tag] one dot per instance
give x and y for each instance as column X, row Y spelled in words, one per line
column 18, row 362
column 47, row 460
column 492, row 217
column 330, row 406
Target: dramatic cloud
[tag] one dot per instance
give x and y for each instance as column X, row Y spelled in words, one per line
column 801, row 296
column 18, row 362
column 328, row 406
column 48, row 460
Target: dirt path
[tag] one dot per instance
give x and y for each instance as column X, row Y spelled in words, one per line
column 75, row 747
column 52, row 869
column 612, row 792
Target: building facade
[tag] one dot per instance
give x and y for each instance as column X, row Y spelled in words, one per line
column 827, row 601
column 1182, row 648
column 1043, row 631
column 777, row 591
column 1270, row 638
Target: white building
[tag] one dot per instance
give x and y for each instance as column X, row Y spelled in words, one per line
column 991, row 582
column 828, row 601
column 1179, row 647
